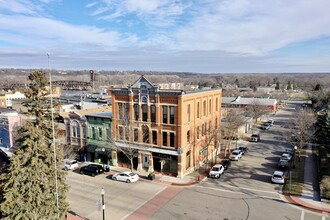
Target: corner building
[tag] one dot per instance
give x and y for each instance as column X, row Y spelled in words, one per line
column 167, row 127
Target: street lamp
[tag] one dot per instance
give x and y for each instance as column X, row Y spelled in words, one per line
column 53, row 131
column 103, row 206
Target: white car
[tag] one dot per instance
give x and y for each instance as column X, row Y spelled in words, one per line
column 126, row 176
column 278, row 177
column 235, row 155
column 286, row 156
column 70, row 164
column 216, row 171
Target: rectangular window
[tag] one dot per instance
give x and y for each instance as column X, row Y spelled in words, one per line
column 93, row 133
column 197, row 109
column 216, row 104
column 204, row 108
column 171, row 114
column 1, row 141
column 121, row 133
column 216, row 123
column 108, row 133
column 126, row 113
column 84, row 132
column 136, row 112
column 197, row 132
column 171, row 139
column 144, row 112
column 210, row 106
column 145, row 135
column 154, row 137
column 136, row 135
column 74, row 132
column 100, row 133
column 127, row 134
column 153, row 113
column 165, row 114
column 188, row 137
column 164, row 138
column 120, row 110
column 188, row 113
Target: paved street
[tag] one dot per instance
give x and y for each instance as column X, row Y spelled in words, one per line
column 243, row 192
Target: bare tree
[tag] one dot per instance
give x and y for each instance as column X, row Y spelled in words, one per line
column 256, row 110
column 230, row 127
column 303, row 129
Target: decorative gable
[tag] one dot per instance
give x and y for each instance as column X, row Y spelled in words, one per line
column 142, row 83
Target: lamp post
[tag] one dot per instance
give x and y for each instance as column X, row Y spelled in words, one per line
column 103, row 206
column 53, row 131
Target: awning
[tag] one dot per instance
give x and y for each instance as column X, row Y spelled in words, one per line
column 151, row 149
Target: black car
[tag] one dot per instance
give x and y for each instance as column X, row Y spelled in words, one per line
column 243, row 149
column 91, row 169
column 226, row 163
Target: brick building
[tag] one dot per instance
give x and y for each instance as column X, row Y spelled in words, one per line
column 167, row 128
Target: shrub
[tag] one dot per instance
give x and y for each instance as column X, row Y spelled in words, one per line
column 325, row 187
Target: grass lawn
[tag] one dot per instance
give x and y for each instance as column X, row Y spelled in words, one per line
column 296, row 175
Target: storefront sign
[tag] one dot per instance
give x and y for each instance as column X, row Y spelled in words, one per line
column 203, row 151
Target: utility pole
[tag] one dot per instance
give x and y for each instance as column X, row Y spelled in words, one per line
column 53, row 132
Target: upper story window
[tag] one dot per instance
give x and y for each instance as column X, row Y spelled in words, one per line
column 204, row 108
column 121, row 133
column 108, row 133
column 216, row 104
column 144, row 112
column 153, row 113
column 210, row 106
column 120, row 110
column 188, row 137
column 165, row 114
column 172, row 139
column 197, row 109
column 75, row 129
column 100, row 133
column 136, row 112
column 188, row 113
column 93, row 133
column 171, row 114
column 164, row 138
column 136, row 135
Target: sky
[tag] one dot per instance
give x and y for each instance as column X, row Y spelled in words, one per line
column 202, row 36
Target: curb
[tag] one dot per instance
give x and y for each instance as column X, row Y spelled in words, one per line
column 295, row 200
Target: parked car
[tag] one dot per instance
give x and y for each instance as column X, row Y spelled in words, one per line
column 244, row 149
column 70, row 164
column 235, row 155
column 126, row 176
column 270, row 122
column 216, row 171
column 265, row 126
column 255, row 138
column 283, row 164
column 226, row 163
column 286, row 156
column 91, row 169
column 278, row 177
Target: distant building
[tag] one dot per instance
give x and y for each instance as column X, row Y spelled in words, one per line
column 241, row 102
column 266, row 89
column 10, row 122
column 171, row 85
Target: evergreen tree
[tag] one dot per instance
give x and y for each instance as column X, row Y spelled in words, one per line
column 289, row 87
column 29, row 185
column 323, row 129
column 277, row 87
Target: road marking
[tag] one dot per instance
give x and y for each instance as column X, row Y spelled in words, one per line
column 302, row 216
column 144, row 203
column 257, row 190
column 242, row 193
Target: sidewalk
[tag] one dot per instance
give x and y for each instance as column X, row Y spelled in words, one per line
column 190, row 179
column 310, row 197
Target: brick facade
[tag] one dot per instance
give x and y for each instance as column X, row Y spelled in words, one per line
column 159, row 122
